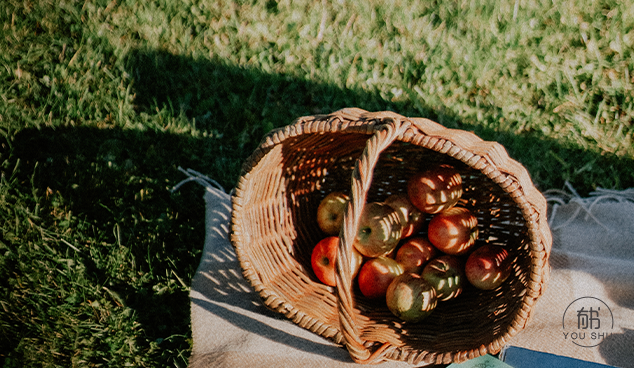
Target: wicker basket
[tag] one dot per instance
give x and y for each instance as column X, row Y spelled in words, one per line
column 370, row 156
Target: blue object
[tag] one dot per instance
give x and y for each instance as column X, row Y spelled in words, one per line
column 525, row 358
column 484, row 361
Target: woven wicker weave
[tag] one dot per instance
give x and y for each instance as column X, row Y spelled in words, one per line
column 370, row 156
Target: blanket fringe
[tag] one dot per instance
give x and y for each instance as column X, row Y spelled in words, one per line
column 193, row 175
column 556, row 198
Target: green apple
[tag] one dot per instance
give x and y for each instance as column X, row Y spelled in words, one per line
column 330, row 212
column 446, row 275
column 379, row 230
column 411, row 298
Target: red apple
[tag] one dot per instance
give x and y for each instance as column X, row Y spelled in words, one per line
column 376, row 274
column 414, row 253
column 323, row 260
column 446, row 275
column 453, row 231
column 411, row 298
column 488, row 267
column 412, row 219
column 379, row 230
column 435, row 190
column 330, row 212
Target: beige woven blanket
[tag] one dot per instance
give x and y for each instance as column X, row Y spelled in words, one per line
column 592, row 259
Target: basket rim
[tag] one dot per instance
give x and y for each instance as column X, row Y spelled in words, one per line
column 491, row 158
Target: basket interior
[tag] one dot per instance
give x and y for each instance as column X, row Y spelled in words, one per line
column 284, row 191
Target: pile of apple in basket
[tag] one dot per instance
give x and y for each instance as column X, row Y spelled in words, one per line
column 412, row 273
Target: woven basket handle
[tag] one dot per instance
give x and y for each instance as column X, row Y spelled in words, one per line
column 391, row 128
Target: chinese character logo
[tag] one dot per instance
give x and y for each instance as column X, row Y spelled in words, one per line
column 587, row 321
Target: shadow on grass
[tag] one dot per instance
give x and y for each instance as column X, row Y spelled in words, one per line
column 241, row 104
column 106, row 192
column 118, row 180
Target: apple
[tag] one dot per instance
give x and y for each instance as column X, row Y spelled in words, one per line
column 330, row 212
column 412, row 219
column 446, row 275
column 379, row 230
column 323, row 260
column 435, row 190
column 453, row 231
column 411, row 298
column 414, row 253
column 376, row 275
column 488, row 267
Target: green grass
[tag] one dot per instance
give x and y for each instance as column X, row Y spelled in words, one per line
column 101, row 101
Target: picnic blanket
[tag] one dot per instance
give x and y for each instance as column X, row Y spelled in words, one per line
column 592, row 258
